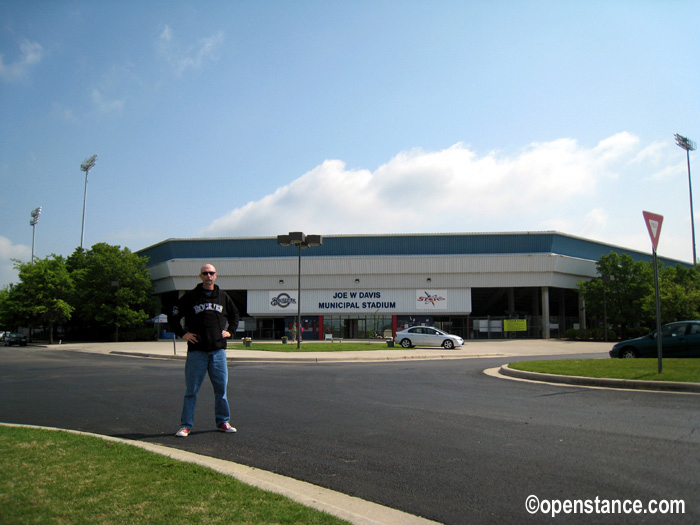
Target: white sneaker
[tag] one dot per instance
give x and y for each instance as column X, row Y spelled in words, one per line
column 183, row 432
column 226, row 427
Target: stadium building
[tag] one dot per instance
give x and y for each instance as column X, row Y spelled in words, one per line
column 476, row 285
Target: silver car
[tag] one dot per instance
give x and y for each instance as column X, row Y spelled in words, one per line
column 427, row 336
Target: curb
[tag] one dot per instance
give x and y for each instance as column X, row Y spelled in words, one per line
column 148, row 356
column 627, row 384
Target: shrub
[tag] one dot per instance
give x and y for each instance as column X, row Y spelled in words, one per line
column 637, row 331
column 572, row 333
column 139, row 333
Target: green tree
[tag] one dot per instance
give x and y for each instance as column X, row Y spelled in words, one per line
column 113, row 287
column 620, row 292
column 624, row 290
column 42, row 294
column 8, row 317
column 679, row 295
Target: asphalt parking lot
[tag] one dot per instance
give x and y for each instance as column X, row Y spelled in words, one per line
column 352, row 509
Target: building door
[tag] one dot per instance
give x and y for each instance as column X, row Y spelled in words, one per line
column 351, row 328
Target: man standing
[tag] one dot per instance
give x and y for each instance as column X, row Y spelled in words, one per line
column 210, row 319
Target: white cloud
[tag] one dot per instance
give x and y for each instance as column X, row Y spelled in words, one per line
column 665, row 160
column 30, row 55
column 595, row 192
column 594, row 221
column 668, row 172
column 654, row 153
column 9, row 251
column 193, row 56
column 454, row 189
column 616, row 146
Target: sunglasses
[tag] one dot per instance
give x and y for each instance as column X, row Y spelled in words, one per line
column 208, row 273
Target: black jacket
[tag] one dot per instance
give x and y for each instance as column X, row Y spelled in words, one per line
column 206, row 316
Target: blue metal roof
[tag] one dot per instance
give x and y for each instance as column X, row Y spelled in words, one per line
column 394, row 245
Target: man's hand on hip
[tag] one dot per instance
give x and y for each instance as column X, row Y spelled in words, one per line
column 190, row 338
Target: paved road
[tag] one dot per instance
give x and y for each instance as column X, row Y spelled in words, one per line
column 437, row 439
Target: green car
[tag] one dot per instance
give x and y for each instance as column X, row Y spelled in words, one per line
column 15, row 339
column 679, row 339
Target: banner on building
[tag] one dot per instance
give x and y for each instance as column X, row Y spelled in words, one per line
column 352, row 301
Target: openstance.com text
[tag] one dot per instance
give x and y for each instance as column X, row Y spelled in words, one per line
column 535, row 505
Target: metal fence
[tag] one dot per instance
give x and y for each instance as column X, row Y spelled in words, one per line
column 529, row 327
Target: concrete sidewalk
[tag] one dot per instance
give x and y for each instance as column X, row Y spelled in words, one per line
column 471, row 349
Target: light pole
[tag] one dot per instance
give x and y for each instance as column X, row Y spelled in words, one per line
column 32, row 222
column 86, row 166
column 300, row 240
column 688, row 145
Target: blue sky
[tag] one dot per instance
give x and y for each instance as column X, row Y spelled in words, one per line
column 235, row 119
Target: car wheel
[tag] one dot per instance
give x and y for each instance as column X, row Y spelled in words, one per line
column 448, row 344
column 628, row 353
column 406, row 343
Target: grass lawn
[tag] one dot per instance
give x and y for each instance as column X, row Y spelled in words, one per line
column 315, row 346
column 687, row 370
column 59, row 477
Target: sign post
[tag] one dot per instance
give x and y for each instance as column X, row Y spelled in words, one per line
column 654, row 222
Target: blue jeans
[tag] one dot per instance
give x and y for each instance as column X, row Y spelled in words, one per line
column 196, row 367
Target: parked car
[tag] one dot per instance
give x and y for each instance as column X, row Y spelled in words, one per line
column 427, row 336
column 14, row 338
column 679, row 339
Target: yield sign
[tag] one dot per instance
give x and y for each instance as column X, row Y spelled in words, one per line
column 654, row 226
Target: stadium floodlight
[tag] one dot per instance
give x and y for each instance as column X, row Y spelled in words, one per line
column 300, row 240
column 32, row 222
column 685, row 142
column 86, row 166
column 689, row 145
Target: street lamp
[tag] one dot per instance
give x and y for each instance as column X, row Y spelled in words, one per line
column 688, row 145
column 86, row 166
column 300, row 240
column 32, row 222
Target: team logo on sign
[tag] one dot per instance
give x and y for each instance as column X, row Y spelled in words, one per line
column 431, row 300
column 283, row 300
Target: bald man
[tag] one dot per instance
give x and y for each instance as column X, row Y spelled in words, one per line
column 210, row 319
